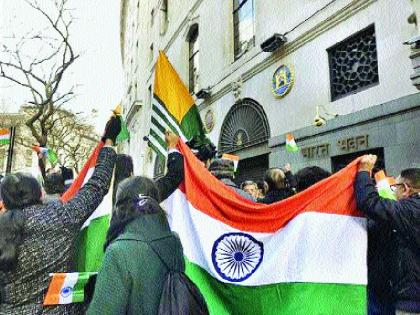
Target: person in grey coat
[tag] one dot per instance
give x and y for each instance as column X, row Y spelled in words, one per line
column 37, row 239
column 223, row 169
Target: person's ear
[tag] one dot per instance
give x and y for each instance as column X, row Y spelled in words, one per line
column 407, row 190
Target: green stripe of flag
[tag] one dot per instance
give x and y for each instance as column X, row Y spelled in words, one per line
column 4, row 141
column 158, row 125
column 156, row 149
column 191, row 124
column 79, row 288
column 160, row 120
column 278, row 299
column 171, row 124
column 156, row 136
column 91, row 244
column 157, row 143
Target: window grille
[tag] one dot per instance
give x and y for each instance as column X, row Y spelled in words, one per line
column 245, row 125
column 353, row 64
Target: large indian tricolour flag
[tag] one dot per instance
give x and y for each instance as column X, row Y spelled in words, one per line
column 303, row 255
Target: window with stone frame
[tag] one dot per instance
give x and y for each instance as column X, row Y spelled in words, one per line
column 353, row 64
column 243, row 26
column 193, row 63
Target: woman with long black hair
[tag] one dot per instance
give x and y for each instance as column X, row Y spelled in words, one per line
column 143, row 256
column 37, row 239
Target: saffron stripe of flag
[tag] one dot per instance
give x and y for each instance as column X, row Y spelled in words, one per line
column 303, row 255
column 4, row 136
column 173, row 108
column 66, row 288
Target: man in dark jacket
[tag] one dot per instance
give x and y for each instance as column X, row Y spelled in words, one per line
column 277, row 190
column 175, row 165
column 223, row 169
column 402, row 216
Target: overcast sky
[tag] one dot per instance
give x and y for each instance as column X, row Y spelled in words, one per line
column 97, row 72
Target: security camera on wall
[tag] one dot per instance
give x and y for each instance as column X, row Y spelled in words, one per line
column 319, row 120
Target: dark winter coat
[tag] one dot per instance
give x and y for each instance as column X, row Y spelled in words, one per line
column 48, row 246
column 132, row 275
column 174, row 176
column 276, row 195
column 403, row 217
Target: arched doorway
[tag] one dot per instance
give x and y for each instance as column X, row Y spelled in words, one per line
column 245, row 132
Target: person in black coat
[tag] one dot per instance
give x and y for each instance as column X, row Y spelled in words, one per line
column 175, row 165
column 38, row 238
column 277, row 189
column 403, row 217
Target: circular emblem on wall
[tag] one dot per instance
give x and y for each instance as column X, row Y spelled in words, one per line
column 209, row 120
column 236, row 256
column 282, row 82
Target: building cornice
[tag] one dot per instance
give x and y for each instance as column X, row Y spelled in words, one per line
column 319, row 29
column 395, row 107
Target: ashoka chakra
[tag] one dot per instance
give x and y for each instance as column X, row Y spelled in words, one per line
column 236, row 256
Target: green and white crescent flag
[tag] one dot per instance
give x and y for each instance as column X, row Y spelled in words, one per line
column 173, row 108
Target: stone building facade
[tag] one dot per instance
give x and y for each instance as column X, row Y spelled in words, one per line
column 341, row 64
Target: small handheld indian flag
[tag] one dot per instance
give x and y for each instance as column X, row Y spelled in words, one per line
column 66, row 288
column 233, row 158
column 291, row 145
column 383, row 184
column 124, row 133
column 49, row 153
column 4, row 136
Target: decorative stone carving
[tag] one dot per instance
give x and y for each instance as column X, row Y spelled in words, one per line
column 237, row 89
column 415, row 43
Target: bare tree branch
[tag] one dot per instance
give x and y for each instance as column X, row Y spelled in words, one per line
column 41, row 75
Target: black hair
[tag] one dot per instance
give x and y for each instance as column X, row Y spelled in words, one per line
column 262, row 185
column 275, row 179
column 124, row 168
column 54, row 183
column 309, row 176
column 136, row 196
column 18, row 192
column 413, row 176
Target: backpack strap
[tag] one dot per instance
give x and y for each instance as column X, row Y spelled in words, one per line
column 153, row 248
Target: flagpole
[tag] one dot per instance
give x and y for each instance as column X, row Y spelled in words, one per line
column 10, row 151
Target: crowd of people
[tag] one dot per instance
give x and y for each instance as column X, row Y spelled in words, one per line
column 38, row 234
